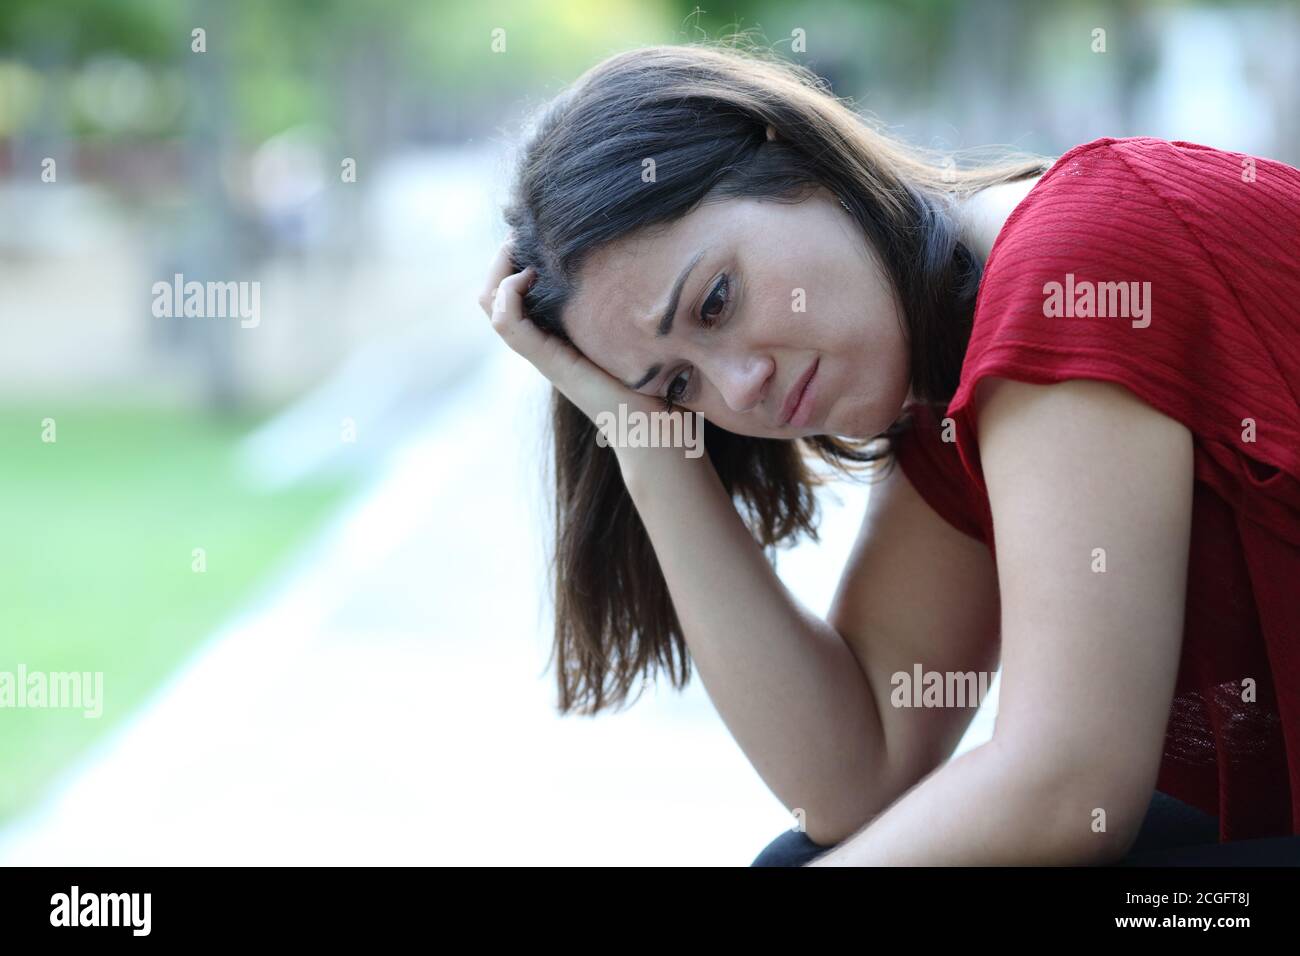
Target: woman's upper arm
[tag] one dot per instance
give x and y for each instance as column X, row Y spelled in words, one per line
column 1091, row 495
column 915, row 591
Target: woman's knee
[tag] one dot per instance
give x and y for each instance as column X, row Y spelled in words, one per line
column 791, row 848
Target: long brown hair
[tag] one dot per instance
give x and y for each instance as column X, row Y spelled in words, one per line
column 701, row 111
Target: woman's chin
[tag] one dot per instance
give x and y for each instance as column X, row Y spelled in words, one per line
column 859, row 431
column 856, row 428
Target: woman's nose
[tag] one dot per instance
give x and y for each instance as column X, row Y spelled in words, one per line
column 741, row 380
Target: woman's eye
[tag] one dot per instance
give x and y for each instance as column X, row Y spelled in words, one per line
column 710, row 310
column 677, row 388
column 715, row 303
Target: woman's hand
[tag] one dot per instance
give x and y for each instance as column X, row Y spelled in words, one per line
column 585, row 384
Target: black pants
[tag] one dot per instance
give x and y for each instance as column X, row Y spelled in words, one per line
column 1172, row 834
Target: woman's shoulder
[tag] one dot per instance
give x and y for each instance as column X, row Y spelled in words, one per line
column 1085, row 265
column 1088, row 196
column 1134, row 192
column 1151, row 264
column 1161, row 255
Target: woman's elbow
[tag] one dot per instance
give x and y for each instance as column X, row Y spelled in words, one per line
column 1085, row 812
column 1098, row 818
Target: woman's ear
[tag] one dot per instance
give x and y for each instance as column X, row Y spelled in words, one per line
column 771, row 131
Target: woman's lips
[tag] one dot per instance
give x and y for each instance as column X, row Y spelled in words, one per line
column 799, row 403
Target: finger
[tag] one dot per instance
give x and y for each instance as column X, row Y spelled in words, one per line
column 553, row 357
column 507, row 310
column 502, row 266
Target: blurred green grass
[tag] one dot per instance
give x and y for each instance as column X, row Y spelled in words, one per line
column 97, row 532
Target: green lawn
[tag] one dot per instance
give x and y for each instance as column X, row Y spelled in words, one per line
column 97, row 534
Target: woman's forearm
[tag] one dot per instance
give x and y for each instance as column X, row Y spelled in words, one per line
column 993, row 806
column 785, row 682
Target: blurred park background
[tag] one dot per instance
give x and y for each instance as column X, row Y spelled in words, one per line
column 308, row 554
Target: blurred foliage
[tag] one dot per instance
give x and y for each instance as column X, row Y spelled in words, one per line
column 77, row 29
column 427, row 65
column 297, row 61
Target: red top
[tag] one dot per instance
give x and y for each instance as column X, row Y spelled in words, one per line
column 1217, row 235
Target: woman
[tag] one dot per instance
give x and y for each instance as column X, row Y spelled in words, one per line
column 1097, row 358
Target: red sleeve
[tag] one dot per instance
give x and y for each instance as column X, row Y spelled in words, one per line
column 1210, row 331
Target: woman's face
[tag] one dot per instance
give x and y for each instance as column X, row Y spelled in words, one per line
column 772, row 291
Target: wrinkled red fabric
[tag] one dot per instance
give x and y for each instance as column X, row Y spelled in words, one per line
column 1217, row 234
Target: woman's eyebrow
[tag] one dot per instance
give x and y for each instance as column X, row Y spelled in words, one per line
column 666, row 322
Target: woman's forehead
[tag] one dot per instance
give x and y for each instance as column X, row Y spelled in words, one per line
column 624, row 285
column 636, row 272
